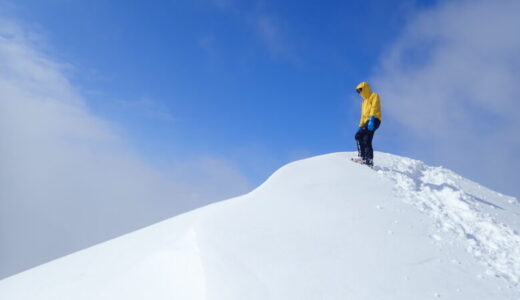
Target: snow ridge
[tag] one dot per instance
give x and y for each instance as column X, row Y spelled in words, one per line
column 457, row 209
column 319, row 228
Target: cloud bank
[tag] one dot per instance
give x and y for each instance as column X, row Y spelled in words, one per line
column 67, row 180
column 450, row 86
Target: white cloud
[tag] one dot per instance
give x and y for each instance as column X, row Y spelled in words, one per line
column 451, row 83
column 67, row 180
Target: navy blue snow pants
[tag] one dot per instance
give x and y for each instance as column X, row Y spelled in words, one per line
column 364, row 141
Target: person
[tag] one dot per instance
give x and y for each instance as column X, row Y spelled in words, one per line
column 370, row 120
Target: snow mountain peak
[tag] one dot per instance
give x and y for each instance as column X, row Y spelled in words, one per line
column 319, row 228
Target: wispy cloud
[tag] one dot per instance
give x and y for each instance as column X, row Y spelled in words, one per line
column 451, row 83
column 271, row 34
column 207, row 42
column 270, row 30
column 67, row 180
column 148, row 108
column 222, row 4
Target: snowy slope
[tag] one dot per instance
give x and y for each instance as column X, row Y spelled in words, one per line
column 320, row 228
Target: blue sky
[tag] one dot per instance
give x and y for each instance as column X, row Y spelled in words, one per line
column 236, row 79
column 118, row 114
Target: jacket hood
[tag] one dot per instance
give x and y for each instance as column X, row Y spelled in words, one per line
column 366, row 91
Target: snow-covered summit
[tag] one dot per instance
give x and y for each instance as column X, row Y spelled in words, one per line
column 320, row 228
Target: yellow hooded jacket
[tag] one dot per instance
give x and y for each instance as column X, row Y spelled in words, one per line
column 371, row 105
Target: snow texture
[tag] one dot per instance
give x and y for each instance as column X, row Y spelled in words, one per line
column 320, row 228
column 458, row 206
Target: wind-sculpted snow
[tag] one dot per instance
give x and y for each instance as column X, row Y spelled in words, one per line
column 466, row 209
column 319, row 228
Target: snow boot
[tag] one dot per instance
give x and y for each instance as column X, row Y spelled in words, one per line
column 369, row 162
column 358, row 160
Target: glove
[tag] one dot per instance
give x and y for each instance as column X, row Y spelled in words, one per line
column 371, row 123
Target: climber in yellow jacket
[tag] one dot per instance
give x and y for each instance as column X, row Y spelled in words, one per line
column 370, row 121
